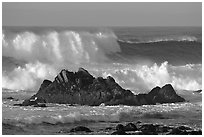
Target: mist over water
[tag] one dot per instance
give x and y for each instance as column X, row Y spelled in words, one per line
column 42, row 54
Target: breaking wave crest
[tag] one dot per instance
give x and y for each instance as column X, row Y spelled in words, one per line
column 64, row 47
column 138, row 78
column 161, row 39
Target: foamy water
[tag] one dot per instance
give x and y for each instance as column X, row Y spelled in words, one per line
column 188, row 113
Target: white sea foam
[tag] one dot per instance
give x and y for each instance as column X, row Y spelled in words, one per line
column 145, row 77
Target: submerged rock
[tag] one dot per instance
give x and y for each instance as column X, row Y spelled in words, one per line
column 82, row 88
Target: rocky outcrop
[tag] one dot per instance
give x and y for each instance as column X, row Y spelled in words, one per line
column 166, row 94
column 82, row 88
column 154, row 129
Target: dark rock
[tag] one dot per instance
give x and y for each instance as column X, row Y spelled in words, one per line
column 184, row 128
column 149, row 129
column 199, row 132
column 17, row 105
column 177, row 131
column 198, row 91
column 10, row 98
column 138, row 122
column 45, row 84
column 33, row 101
column 119, row 130
column 40, row 105
column 130, row 127
column 119, row 127
column 163, row 129
column 82, row 88
column 80, row 129
column 166, row 94
column 29, row 102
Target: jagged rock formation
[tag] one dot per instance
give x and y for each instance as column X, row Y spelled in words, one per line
column 84, row 89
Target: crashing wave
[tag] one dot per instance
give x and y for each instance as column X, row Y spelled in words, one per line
column 66, row 46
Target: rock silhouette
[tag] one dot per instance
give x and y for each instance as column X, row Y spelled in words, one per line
column 83, row 89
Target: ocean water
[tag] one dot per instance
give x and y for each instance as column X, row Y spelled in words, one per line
column 139, row 58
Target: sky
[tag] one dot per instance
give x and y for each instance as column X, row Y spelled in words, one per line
column 102, row 14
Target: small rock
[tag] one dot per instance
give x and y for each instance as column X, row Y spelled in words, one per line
column 184, row 128
column 119, row 127
column 163, row 129
column 138, row 122
column 177, row 131
column 130, row 127
column 120, row 130
column 149, row 129
column 9, row 98
column 29, row 102
column 17, row 105
column 80, row 129
column 196, row 132
column 40, row 105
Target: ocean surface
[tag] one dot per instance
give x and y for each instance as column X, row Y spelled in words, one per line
column 139, row 58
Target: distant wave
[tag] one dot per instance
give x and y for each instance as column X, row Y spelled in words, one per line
column 162, row 39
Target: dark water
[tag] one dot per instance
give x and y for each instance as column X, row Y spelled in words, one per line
column 139, row 58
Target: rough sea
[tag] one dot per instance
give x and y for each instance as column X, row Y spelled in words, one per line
column 139, row 59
